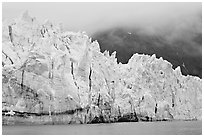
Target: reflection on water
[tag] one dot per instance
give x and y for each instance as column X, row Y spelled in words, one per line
column 141, row 128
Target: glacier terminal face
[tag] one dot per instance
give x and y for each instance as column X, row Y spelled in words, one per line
column 52, row 76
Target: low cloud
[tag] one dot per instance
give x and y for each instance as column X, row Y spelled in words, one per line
column 92, row 17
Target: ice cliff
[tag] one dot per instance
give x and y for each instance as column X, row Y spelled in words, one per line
column 57, row 76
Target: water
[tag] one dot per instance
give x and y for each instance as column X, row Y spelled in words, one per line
column 136, row 128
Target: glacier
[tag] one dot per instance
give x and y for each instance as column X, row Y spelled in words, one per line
column 51, row 76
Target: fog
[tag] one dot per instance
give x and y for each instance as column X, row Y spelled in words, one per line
column 91, row 17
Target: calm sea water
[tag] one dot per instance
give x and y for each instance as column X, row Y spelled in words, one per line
column 136, row 128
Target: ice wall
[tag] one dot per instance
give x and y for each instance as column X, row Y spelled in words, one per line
column 51, row 72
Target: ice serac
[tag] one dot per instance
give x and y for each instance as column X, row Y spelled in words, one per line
column 52, row 76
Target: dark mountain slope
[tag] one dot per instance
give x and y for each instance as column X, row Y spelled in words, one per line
column 186, row 53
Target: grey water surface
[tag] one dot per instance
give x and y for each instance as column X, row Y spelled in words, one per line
column 131, row 128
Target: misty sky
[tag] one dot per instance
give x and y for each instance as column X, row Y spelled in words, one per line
column 91, row 17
